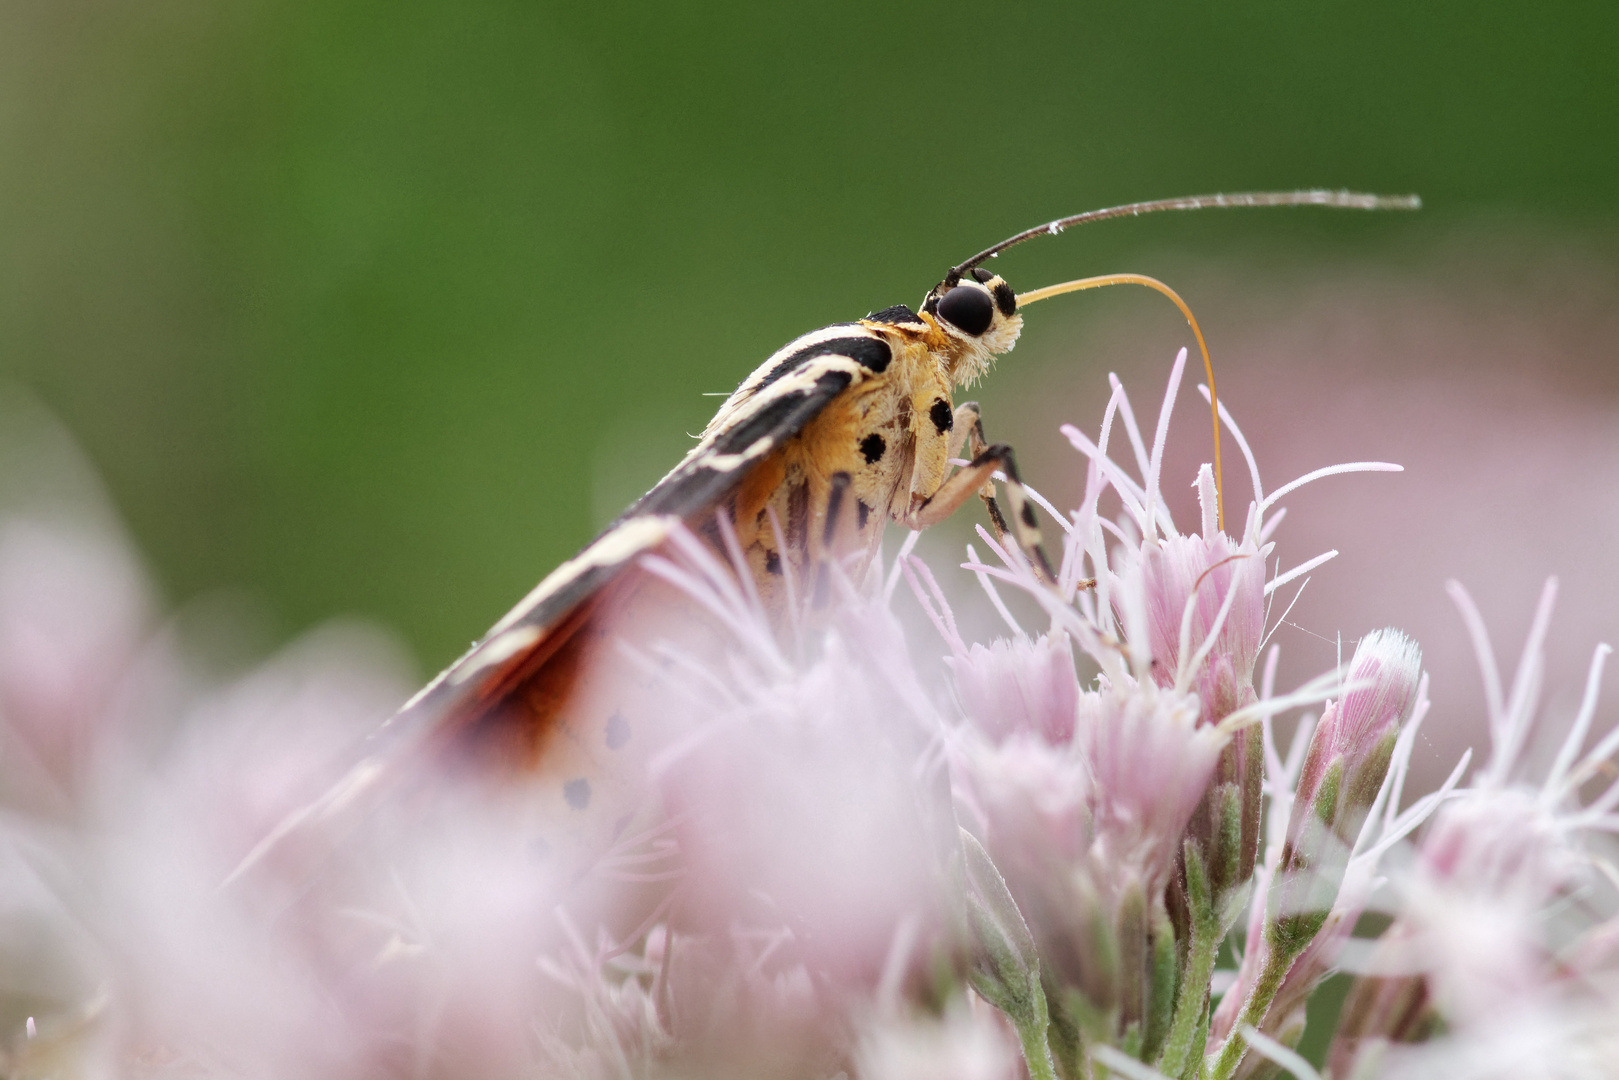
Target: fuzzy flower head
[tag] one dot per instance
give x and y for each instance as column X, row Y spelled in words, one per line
column 1169, row 742
column 1204, row 601
column 1503, row 843
column 1185, row 611
column 1500, row 855
column 1027, row 796
column 1020, row 777
column 1150, row 762
column 801, row 792
column 1019, row 685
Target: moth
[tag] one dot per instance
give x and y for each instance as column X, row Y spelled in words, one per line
column 836, row 434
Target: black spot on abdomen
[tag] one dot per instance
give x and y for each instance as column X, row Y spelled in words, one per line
column 862, row 512
column 941, row 415
column 872, row 447
column 773, row 563
column 577, row 793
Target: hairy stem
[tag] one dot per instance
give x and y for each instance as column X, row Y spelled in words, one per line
column 1181, row 1049
column 1032, row 1035
column 1277, row 965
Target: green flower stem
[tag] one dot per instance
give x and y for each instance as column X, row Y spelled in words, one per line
column 1032, row 1035
column 1277, row 965
column 1182, row 1049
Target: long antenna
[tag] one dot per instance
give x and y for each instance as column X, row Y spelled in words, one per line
column 1342, row 200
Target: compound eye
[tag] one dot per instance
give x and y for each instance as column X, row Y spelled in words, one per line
column 968, row 309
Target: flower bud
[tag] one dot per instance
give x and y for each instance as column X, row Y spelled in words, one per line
column 1006, row 966
column 1343, row 770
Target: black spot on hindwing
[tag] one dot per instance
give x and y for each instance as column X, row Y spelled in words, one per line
column 872, row 447
column 862, row 512
column 941, row 415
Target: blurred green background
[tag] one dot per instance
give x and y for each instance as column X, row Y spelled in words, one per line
column 379, row 308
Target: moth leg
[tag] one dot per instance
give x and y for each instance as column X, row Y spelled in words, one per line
column 836, row 490
column 969, row 428
column 976, row 478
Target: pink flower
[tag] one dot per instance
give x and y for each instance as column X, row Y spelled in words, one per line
column 1205, row 607
column 1019, row 686
column 1150, row 763
column 809, row 798
column 1030, row 799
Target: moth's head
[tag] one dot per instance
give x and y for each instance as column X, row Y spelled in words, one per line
column 978, row 313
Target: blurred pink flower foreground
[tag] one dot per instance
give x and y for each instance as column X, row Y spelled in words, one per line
column 864, row 851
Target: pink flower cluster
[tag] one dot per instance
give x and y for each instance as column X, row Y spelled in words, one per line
column 1024, row 857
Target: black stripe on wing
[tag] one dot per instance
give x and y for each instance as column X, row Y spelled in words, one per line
column 697, row 486
column 691, row 493
column 871, row 353
column 898, row 315
column 482, row 669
